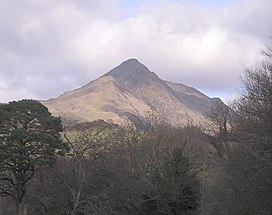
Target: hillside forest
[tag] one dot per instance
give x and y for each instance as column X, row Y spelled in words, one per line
column 222, row 167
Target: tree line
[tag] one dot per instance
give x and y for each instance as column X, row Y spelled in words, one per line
column 224, row 167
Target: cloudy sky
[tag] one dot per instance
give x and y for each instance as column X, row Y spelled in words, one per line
column 51, row 46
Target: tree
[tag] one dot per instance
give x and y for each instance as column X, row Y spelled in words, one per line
column 246, row 169
column 220, row 115
column 254, row 108
column 88, row 142
column 74, row 184
column 254, row 131
column 29, row 139
column 153, row 173
column 177, row 185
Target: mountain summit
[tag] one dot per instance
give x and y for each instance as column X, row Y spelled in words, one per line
column 131, row 91
column 133, row 73
column 130, row 67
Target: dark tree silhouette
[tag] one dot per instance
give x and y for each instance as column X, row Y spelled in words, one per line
column 29, row 139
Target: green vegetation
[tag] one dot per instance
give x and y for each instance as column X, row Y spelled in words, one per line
column 30, row 139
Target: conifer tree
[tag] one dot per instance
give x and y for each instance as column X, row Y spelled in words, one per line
column 29, row 139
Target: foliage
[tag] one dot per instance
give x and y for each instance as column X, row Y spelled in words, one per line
column 177, row 185
column 29, row 139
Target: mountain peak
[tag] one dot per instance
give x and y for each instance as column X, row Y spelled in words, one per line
column 131, row 60
column 132, row 72
column 128, row 67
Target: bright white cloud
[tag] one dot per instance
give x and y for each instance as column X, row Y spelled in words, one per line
column 49, row 47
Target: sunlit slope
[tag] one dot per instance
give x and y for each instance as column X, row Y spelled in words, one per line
column 131, row 92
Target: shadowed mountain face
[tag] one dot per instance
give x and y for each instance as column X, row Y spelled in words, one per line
column 131, row 92
column 132, row 74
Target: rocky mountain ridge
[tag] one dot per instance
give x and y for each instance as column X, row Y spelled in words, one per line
column 130, row 92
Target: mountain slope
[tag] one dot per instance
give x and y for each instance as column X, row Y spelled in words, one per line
column 131, row 92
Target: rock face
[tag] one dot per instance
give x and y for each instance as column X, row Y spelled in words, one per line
column 131, row 92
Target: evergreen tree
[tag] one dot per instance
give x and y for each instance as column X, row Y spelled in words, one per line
column 29, row 139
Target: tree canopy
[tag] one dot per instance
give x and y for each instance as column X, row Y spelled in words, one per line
column 29, row 139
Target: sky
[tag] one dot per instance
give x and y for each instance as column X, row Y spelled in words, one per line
column 48, row 47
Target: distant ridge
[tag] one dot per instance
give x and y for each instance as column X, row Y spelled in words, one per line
column 129, row 92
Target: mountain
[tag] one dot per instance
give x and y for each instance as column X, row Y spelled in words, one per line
column 131, row 91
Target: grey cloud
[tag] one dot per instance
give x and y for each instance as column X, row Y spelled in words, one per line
column 49, row 47
column 34, row 50
column 249, row 18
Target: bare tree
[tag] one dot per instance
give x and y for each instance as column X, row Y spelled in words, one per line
column 220, row 115
column 87, row 143
column 243, row 182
